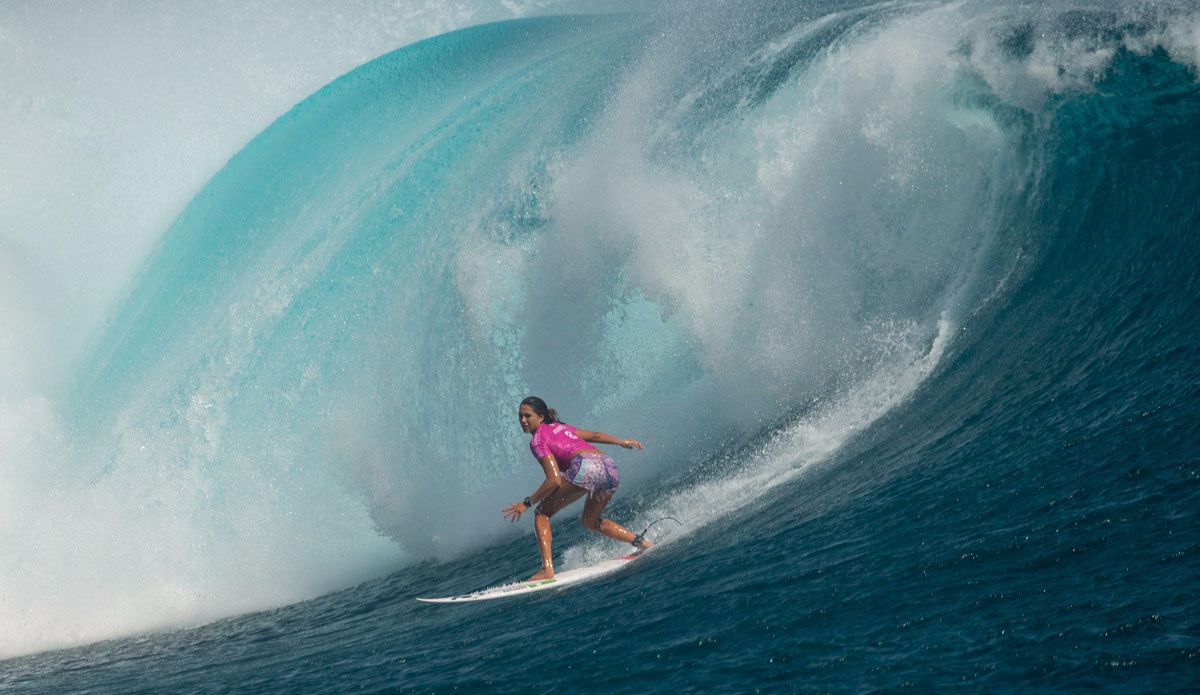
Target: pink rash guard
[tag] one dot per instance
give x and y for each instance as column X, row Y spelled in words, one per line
column 557, row 438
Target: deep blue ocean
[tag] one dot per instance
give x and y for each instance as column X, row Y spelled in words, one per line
column 902, row 299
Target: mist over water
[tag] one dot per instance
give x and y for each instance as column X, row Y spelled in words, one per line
column 699, row 233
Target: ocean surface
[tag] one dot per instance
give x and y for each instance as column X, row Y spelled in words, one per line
column 902, row 299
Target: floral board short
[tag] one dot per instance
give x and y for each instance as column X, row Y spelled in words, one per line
column 594, row 471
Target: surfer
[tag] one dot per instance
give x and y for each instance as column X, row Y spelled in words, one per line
column 588, row 470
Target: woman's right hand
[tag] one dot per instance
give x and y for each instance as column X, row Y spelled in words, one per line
column 631, row 444
column 514, row 511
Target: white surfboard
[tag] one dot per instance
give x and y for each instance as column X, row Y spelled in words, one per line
column 560, row 580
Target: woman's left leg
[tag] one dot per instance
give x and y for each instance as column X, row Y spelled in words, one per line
column 595, row 504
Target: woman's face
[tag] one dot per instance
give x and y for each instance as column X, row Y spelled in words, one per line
column 529, row 419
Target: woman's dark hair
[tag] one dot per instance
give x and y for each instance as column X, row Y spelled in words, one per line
column 539, row 407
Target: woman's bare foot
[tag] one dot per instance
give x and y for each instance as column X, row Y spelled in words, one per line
column 544, row 574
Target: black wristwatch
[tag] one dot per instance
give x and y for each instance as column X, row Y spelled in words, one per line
column 528, row 504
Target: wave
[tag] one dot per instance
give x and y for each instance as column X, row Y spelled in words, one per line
column 743, row 238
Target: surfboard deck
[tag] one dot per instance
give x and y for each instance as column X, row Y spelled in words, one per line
column 560, row 580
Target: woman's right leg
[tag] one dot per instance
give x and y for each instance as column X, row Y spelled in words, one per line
column 561, row 497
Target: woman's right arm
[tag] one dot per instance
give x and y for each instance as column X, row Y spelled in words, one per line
column 553, row 478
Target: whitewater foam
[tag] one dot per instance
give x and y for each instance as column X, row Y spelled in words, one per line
column 795, row 449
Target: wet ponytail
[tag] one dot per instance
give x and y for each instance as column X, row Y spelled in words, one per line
column 539, row 407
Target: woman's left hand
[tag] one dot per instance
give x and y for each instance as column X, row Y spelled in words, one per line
column 631, row 444
column 514, row 511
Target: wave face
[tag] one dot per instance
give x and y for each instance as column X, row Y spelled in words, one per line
column 908, row 288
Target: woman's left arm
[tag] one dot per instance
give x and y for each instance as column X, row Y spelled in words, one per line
column 602, row 438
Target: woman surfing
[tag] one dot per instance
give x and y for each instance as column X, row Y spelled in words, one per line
column 588, row 470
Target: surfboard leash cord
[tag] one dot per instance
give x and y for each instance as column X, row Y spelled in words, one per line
column 639, row 541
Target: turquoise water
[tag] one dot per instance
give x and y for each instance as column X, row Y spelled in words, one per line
column 901, row 299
